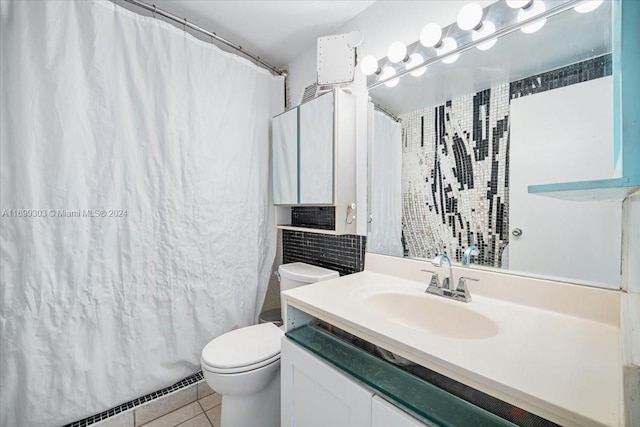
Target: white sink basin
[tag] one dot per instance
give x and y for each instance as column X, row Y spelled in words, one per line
column 434, row 314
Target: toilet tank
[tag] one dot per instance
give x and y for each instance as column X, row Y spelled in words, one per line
column 299, row 274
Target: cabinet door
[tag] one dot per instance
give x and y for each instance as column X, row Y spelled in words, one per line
column 315, row 394
column 285, row 158
column 316, row 150
column 384, row 414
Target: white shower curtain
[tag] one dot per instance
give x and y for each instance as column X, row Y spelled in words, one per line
column 385, row 235
column 137, row 222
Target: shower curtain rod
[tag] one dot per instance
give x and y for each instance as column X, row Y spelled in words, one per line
column 387, row 112
column 183, row 21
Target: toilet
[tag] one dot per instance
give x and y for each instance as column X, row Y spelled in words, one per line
column 244, row 365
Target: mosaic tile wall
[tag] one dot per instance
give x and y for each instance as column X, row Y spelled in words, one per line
column 455, row 176
column 323, row 217
column 345, row 254
column 455, row 179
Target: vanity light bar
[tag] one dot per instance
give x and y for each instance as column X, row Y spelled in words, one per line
column 502, row 16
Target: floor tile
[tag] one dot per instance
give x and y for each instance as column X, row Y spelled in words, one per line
column 165, row 404
column 197, row 421
column 124, row 419
column 210, row 401
column 174, row 418
column 204, row 390
column 214, row 415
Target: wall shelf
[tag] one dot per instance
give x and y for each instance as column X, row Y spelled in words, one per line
column 615, row 189
column 308, row 229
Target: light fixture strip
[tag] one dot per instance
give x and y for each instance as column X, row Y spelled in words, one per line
column 374, row 80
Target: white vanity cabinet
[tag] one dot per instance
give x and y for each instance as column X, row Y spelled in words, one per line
column 315, row 394
column 314, row 160
column 384, row 414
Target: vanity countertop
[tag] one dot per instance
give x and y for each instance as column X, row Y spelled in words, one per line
column 556, row 351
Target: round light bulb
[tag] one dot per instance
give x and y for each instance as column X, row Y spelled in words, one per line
column 414, row 60
column 397, row 51
column 588, row 6
column 430, row 35
column 354, row 39
column 369, row 65
column 487, row 29
column 518, row 4
column 536, row 9
column 470, row 16
column 448, row 44
column 388, row 72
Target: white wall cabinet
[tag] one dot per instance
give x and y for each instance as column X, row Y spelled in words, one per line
column 315, row 394
column 314, row 160
column 285, row 157
column 316, row 151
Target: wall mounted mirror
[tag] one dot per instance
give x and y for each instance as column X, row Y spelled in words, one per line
column 454, row 146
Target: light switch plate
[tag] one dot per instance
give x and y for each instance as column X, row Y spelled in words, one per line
column 336, row 60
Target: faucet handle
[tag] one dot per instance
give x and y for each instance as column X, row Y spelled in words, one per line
column 434, row 282
column 471, row 250
column 438, row 260
column 462, row 284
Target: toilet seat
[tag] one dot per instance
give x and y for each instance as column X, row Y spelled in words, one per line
column 243, row 349
column 240, row 369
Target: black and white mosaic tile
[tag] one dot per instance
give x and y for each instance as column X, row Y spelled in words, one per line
column 590, row 69
column 456, row 166
column 322, row 217
column 344, row 254
column 454, row 176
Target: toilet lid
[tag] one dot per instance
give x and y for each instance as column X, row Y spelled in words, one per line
column 243, row 347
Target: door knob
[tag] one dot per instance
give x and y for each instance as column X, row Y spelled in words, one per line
column 517, row 232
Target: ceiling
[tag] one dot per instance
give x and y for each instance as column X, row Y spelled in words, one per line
column 277, row 31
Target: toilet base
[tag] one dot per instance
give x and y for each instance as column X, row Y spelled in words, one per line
column 261, row 408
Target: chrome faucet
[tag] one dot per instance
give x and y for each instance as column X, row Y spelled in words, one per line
column 471, row 250
column 460, row 293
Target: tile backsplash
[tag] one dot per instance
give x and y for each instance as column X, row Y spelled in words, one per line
column 344, row 254
column 323, row 217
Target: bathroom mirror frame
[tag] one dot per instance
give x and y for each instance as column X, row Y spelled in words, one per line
column 375, row 82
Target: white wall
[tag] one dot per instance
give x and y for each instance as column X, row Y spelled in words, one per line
column 381, row 24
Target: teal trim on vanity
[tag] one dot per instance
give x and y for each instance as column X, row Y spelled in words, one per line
column 626, row 116
column 407, row 391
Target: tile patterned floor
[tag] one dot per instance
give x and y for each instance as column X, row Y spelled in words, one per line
column 204, row 412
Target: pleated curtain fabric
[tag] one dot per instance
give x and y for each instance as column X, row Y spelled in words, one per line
column 385, row 234
column 137, row 222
